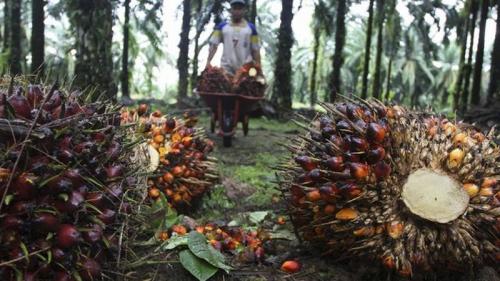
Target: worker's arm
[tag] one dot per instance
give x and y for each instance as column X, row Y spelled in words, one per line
column 211, row 53
column 256, row 56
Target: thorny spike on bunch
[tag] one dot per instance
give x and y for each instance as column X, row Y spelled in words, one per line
column 417, row 191
column 60, row 214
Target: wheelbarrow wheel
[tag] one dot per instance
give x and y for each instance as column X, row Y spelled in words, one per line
column 227, row 140
column 212, row 124
column 245, row 125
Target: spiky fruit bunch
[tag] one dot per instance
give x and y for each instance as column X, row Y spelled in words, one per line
column 61, row 184
column 249, row 80
column 413, row 190
column 214, row 80
column 181, row 168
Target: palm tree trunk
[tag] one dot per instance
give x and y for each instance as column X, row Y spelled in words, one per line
column 478, row 67
column 468, row 69
column 366, row 66
column 378, row 59
column 312, row 89
column 461, row 69
column 37, row 36
column 283, row 68
column 6, row 25
column 338, row 59
column 388, row 82
column 125, row 75
column 194, row 74
column 494, row 87
column 182, row 61
column 15, row 36
column 253, row 11
column 92, row 22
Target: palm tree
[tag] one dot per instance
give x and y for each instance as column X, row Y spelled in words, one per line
column 494, row 89
column 338, row 59
column 376, row 77
column 125, row 74
column 283, row 70
column 37, row 36
column 478, row 67
column 92, row 21
column 15, row 37
column 393, row 31
column 366, row 62
column 182, row 61
column 468, row 67
column 462, row 33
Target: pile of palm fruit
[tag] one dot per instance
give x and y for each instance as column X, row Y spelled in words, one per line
column 63, row 180
column 179, row 152
column 248, row 81
column 413, row 190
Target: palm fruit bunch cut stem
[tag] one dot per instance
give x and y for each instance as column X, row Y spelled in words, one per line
column 246, row 245
column 63, row 169
column 249, row 81
column 214, row 80
column 181, row 167
column 413, row 190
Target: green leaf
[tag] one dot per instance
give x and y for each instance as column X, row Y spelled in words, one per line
column 175, row 242
column 196, row 266
column 197, row 243
column 257, row 217
column 25, row 251
column 8, row 199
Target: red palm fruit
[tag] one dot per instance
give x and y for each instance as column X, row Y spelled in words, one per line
column 306, row 162
column 335, row 163
column 73, row 203
column 382, row 170
column 3, row 104
column 115, row 190
column 21, row 207
column 290, row 266
column 58, row 254
column 328, row 131
column 170, row 125
column 68, row 236
column 60, row 184
column 259, row 253
column 75, row 176
column 375, row 133
column 35, row 95
column 343, row 125
column 96, row 199
column 361, row 124
column 359, row 171
column 328, row 192
column 63, row 276
column 358, row 144
column 114, row 171
column 20, row 104
column 11, row 222
column 375, row 155
column 94, row 234
column 352, row 157
column 353, row 111
column 54, row 101
column 313, row 195
column 24, row 187
column 72, row 108
column 325, row 122
column 107, row 216
column 90, row 270
column 46, row 222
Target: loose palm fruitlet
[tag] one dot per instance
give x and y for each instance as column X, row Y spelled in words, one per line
column 249, row 80
column 411, row 189
column 180, row 165
column 214, row 80
column 62, row 183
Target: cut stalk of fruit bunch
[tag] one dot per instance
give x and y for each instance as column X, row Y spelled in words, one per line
column 61, row 186
column 413, row 189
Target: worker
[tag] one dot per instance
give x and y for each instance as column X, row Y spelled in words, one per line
column 240, row 39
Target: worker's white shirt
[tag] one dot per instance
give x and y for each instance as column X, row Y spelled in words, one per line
column 239, row 40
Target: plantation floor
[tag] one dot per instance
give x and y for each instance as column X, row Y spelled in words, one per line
column 247, row 189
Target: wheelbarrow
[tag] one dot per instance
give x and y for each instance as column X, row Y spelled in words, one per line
column 227, row 110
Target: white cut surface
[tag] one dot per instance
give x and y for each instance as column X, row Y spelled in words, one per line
column 154, row 158
column 434, row 196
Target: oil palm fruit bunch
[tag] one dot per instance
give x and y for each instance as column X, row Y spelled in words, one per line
column 62, row 185
column 249, row 80
column 413, row 190
column 214, row 80
column 181, row 168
